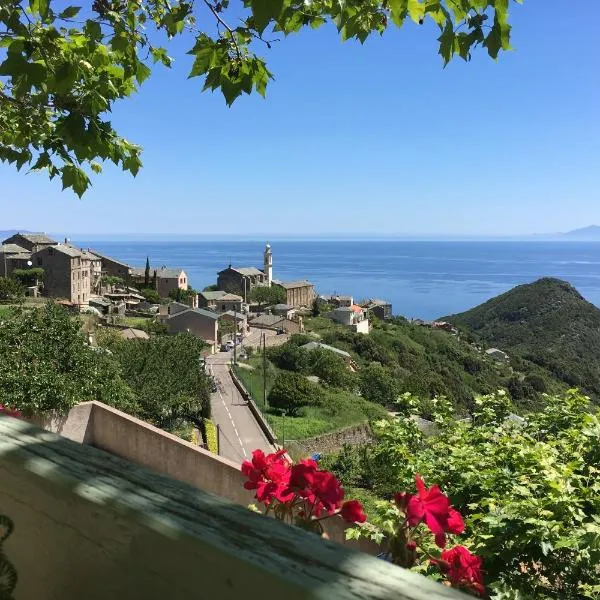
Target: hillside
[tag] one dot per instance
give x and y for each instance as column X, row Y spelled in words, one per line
column 547, row 323
column 428, row 362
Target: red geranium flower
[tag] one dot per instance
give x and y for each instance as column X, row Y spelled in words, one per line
column 430, row 506
column 327, row 490
column 454, row 525
column 352, row 512
column 269, row 475
column 463, row 569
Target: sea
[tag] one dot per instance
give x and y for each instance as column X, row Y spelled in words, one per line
column 422, row 279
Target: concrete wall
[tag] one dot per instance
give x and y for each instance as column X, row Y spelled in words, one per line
column 91, row 525
column 361, row 326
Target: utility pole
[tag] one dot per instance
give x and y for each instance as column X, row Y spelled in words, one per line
column 234, row 335
column 264, row 370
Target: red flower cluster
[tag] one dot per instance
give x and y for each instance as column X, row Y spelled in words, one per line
column 433, row 508
column 10, row 412
column 302, row 488
column 462, row 568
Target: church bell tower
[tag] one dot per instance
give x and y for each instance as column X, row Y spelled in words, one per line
column 268, row 264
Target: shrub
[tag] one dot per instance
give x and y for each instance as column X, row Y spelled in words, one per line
column 293, row 391
column 151, row 295
column 378, row 385
column 10, row 289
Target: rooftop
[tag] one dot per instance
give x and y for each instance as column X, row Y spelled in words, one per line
column 231, row 297
column 68, row 250
column 199, row 311
column 134, row 334
column 267, row 320
column 290, row 285
column 282, row 307
column 213, row 295
column 248, row 271
column 12, row 249
column 315, row 345
column 104, row 257
column 37, row 238
column 236, row 315
column 166, row 273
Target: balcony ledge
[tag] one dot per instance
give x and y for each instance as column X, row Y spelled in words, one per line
column 92, row 525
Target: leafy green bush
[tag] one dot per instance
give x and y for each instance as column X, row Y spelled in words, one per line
column 293, row 391
column 378, row 385
column 151, row 295
column 46, row 366
column 530, row 492
column 330, row 368
column 10, row 290
column 27, row 277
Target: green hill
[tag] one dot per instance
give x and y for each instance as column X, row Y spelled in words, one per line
column 546, row 323
column 430, row 362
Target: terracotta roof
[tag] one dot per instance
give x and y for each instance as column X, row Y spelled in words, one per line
column 355, row 308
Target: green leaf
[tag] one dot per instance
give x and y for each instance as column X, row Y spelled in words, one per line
column 416, row 10
column 76, row 178
column 265, row 11
column 39, row 7
column 446, row 41
column 96, row 167
column 398, row 11
column 69, row 12
column 142, row 72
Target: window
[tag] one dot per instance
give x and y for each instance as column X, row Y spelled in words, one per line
column 223, row 307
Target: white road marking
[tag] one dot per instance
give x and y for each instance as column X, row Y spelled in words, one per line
column 233, row 425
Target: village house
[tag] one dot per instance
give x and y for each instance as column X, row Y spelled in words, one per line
column 277, row 323
column 168, row 280
column 113, row 267
column 298, row 293
column 227, row 319
column 13, row 257
column 31, row 242
column 240, row 280
column 351, row 316
column 380, row 308
column 220, row 301
column 180, row 318
column 66, row 273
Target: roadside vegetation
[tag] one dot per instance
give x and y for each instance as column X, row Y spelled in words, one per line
column 46, row 366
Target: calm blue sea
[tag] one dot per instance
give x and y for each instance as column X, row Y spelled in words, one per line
column 421, row 279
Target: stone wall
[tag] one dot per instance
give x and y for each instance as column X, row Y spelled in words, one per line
column 333, row 442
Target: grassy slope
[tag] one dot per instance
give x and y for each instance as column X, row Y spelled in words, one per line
column 341, row 408
column 547, row 323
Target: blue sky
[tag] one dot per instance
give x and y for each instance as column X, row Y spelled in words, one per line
column 372, row 139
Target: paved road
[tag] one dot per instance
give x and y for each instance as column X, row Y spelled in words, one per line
column 239, row 433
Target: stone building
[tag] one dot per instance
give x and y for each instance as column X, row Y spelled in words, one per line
column 298, row 293
column 241, row 280
column 66, row 273
column 197, row 321
column 168, row 280
column 13, row 256
column 32, row 242
column 220, row 301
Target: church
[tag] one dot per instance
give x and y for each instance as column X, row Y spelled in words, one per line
column 240, row 280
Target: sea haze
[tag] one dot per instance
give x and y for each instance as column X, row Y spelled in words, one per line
column 421, row 279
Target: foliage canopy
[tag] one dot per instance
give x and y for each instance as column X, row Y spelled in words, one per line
column 530, row 491
column 62, row 68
